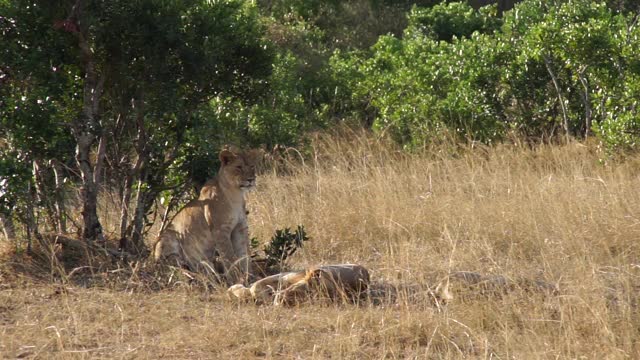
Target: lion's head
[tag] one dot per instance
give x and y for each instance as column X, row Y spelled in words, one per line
column 312, row 283
column 338, row 282
column 239, row 167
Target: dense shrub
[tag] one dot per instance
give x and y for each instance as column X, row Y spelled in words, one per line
column 551, row 68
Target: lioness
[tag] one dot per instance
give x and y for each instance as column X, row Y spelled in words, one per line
column 264, row 290
column 215, row 224
column 337, row 282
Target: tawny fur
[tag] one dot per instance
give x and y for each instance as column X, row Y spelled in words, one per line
column 344, row 282
column 213, row 228
column 264, row 290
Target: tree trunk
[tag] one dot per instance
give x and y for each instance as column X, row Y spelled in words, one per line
column 85, row 129
column 30, row 220
column 136, row 172
column 60, row 209
column 126, row 196
column 43, row 196
column 556, row 85
column 92, row 229
column 102, row 149
column 124, row 207
column 586, row 99
column 39, row 194
column 137, row 239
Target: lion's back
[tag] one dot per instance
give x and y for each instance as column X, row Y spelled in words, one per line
column 187, row 235
column 191, row 218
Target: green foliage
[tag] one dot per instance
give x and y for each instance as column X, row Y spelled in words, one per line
column 39, row 92
column 552, row 67
column 448, row 20
column 299, row 9
column 283, row 245
column 587, row 47
column 620, row 128
column 305, row 93
column 39, row 83
column 289, row 110
column 424, row 89
column 159, row 64
column 15, row 179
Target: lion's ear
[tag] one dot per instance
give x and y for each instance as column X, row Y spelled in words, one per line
column 255, row 155
column 313, row 273
column 227, row 156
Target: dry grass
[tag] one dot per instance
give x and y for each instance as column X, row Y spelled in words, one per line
column 551, row 213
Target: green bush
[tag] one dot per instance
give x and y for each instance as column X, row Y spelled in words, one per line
column 448, row 20
column 547, row 68
column 282, row 245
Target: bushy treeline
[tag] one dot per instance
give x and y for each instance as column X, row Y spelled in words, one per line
column 139, row 96
column 543, row 70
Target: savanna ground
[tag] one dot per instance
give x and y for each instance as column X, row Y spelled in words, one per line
column 552, row 213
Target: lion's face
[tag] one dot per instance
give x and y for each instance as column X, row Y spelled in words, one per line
column 239, row 168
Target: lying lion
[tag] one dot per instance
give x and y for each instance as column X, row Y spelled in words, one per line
column 264, row 290
column 336, row 282
column 348, row 282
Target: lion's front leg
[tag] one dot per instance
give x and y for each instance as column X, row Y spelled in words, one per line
column 227, row 254
column 240, row 243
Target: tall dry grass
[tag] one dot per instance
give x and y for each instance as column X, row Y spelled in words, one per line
column 552, row 213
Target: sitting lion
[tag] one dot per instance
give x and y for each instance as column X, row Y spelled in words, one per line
column 213, row 228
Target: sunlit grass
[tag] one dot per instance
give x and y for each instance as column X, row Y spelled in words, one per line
column 552, row 213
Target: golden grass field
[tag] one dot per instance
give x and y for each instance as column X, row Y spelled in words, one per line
column 552, row 213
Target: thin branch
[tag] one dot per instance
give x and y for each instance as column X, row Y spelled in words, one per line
column 587, row 101
column 554, row 79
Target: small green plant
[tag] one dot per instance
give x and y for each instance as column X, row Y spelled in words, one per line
column 283, row 244
column 254, row 243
